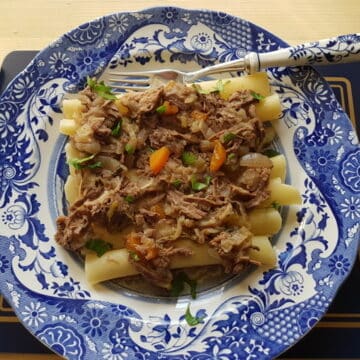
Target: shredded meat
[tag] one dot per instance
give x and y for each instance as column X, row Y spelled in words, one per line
column 182, row 201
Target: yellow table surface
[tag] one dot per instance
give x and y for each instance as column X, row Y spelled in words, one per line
column 33, row 24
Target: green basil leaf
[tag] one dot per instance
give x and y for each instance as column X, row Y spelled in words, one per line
column 197, row 185
column 178, row 283
column 134, row 256
column 129, row 149
column 276, row 205
column 116, row 130
column 228, row 137
column 99, row 246
column 257, row 96
column 177, row 183
column 271, row 153
column 192, row 320
column 101, row 89
column 188, row 158
column 129, row 199
column 161, row 109
column 82, row 162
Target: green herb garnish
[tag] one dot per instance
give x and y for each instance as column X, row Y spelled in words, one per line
column 198, row 186
column 231, row 156
column 191, row 319
column 99, row 246
column 188, row 158
column 129, row 199
column 161, row 109
column 177, row 183
column 257, row 96
column 276, row 205
column 116, row 130
column 228, row 137
column 101, row 89
column 129, row 149
column 178, row 283
column 134, row 256
column 82, row 162
column 271, row 153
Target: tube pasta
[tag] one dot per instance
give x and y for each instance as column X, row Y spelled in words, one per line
column 257, row 82
column 264, row 221
column 282, row 194
column 269, row 108
column 279, row 167
column 264, row 252
column 115, row 263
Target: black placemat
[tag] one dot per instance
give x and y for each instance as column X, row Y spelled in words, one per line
column 336, row 336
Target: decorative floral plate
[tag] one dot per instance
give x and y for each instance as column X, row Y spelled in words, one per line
column 254, row 316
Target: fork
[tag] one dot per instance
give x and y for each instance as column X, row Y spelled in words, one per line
column 341, row 49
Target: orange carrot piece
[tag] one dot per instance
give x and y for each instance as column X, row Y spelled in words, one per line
column 158, row 159
column 170, row 109
column 218, row 157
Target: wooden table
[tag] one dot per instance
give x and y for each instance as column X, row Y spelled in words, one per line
column 34, row 24
column 29, row 25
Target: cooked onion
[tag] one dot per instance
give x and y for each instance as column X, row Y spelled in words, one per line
column 255, row 160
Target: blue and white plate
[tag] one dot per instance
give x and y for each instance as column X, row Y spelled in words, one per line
column 255, row 316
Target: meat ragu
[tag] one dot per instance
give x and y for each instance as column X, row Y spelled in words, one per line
column 167, row 164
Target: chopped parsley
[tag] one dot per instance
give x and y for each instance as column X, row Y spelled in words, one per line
column 228, row 137
column 231, row 156
column 101, row 89
column 99, row 246
column 188, row 158
column 198, row 186
column 83, row 162
column 257, row 96
column 116, row 130
column 134, row 256
column 129, row 199
column 161, row 109
column 129, row 149
column 276, row 205
column 177, row 183
column 191, row 319
column 178, row 284
column 271, row 153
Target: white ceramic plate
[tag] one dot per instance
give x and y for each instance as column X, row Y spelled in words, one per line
column 258, row 315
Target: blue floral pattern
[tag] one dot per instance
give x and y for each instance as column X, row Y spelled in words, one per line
column 260, row 314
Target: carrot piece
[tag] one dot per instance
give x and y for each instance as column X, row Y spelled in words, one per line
column 158, row 159
column 132, row 241
column 218, row 157
column 151, row 253
column 158, row 209
column 170, row 109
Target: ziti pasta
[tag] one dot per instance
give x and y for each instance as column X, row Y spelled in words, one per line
column 173, row 177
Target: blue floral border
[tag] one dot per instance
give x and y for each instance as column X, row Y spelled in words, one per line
column 260, row 324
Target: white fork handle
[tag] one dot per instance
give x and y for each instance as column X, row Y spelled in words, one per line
column 341, row 49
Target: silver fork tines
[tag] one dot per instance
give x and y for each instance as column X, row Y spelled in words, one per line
column 138, row 81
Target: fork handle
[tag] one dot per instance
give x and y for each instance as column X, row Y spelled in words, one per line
column 341, row 49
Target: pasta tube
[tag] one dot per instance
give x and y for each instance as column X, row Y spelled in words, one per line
column 265, row 221
column 115, row 264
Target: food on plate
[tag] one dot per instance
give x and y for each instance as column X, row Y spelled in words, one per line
column 173, row 177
